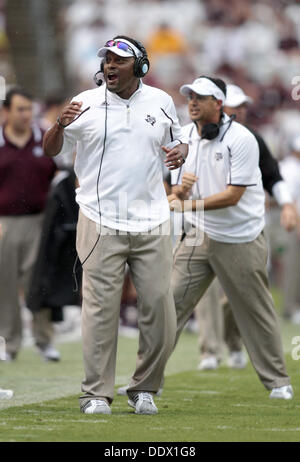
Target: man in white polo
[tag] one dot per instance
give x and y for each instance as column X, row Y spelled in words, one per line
column 222, row 175
column 214, row 315
column 120, row 129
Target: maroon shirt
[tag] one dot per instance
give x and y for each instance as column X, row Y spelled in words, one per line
column 25, row 175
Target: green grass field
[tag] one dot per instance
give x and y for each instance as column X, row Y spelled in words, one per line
column 222, row 405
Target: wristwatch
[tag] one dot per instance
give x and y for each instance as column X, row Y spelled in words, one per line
column 59, row 123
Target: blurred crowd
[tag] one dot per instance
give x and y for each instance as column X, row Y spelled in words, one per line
column 254, row 44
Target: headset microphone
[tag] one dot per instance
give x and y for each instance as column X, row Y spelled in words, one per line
column 97, row 80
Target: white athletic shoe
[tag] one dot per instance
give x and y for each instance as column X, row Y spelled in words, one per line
column 209, row 363
column 122, row 391
column 285, row 392
column 49, row 353
column 6, row 394
column 237, row 360
column 96, row 406
column 143, row 403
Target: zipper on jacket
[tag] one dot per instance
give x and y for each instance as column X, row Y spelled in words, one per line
column 128, row 115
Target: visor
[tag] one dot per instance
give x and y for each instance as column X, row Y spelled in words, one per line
column 205, row 87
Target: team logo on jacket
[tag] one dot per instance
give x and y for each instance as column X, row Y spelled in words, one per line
column 218, row 156
column 150, row 119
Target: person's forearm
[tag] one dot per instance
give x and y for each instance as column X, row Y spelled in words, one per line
column 227, row 198
column 180, row 191
column 184, row 149
column 53, row 140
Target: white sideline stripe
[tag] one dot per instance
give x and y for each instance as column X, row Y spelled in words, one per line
column 201, row 392
column 86, row 420
column 258, row 405
column 297, row 429
column 209, row 392
column 227, row 427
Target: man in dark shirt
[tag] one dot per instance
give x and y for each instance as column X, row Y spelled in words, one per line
column 209, row 311
column 25, row 177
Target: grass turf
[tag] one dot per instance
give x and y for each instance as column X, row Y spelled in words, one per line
column 222, row 405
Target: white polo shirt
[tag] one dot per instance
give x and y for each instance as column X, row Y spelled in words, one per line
column 130, row 187
column 230, row 159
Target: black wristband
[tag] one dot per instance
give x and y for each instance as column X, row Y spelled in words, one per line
column 59, row 123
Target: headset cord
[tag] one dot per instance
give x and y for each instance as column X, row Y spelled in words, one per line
column 98, row 200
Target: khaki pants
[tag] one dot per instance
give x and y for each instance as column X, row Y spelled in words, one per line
column 241, row 269
column 216, row 323
column 150, row 260
column 209, row 314
column 18, row 251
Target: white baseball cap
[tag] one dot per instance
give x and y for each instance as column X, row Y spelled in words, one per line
column 205, row 87
column 235, row 96
column 120, row 47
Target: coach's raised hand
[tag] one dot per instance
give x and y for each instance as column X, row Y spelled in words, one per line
column 69, row 113
column 54, row 138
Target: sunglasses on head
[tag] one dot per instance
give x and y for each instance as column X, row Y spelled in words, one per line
column 119, row 44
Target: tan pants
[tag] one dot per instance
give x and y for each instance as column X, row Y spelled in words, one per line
column 217, row 326
column 150, row 260
column 18, row 251
column 241, row 269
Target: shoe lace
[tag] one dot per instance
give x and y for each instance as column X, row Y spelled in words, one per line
column 146, row 397
column 95, row 402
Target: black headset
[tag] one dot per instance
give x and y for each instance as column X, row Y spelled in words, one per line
column 141, row 64
column 211, row 131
